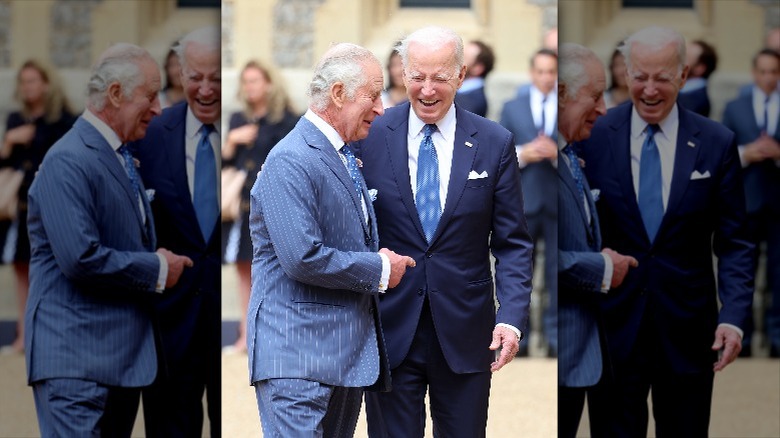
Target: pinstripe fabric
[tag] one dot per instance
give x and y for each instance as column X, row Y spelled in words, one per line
column 580, row 273
column 312, row 311
column 92, row 271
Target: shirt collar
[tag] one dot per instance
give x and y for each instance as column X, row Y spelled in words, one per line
column 192, row 124
column 537, row 95
column 446, row 126
column 105, row 131
column 667, row 125
column 330, row 132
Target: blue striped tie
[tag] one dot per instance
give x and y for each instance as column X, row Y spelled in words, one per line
column 427, row 198
column 205, row 191
column 651, row 204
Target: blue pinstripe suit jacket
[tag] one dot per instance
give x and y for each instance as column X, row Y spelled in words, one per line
column 92, row 270
column 580, row 274
column 312, row 312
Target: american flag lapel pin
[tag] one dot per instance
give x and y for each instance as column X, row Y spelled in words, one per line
column 468, row 143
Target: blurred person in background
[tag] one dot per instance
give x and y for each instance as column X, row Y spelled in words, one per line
column 702, row 60
column 551, row 39
column 395, row 92
column 754, row 118
column 172, row 92
column 532, row 118
column 617, row 92
column 44, row 117
column 479, row 59
column 266, row 118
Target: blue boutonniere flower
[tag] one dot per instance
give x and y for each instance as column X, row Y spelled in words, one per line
column 595, row 193
column 150, row 194
column 372, row 193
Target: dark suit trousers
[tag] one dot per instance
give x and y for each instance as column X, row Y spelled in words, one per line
column 305, row 408
column 78, row 408
column 545, row 227
column 681, row 402
column 459, row 402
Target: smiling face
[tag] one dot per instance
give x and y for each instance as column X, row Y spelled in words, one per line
column 654, row 80
column 354, row 117
column 432, row 78
column 577, row 115
column 201, row 79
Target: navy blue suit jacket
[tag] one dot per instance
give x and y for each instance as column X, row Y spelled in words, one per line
column 674, row 288
column 316, row 271
column 580, row 277
column 539, row 179
column 190, row 311
column 480, row 216
column 93, row 272
column 762, row 180
column 697, row 100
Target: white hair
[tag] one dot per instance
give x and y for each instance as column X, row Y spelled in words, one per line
column 436, row 38
column 571, row 67
column 655, row 37
column 120, row 64
column 208, row 37
column 343, row 63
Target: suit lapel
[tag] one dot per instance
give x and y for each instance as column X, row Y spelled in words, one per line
column 330, row 157
column 568, row 181
column 462, row 163
column 686, row 151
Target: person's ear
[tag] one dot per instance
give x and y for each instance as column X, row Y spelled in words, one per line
column 338, row 94
column 114, row 94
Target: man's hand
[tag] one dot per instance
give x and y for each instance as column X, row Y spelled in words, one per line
column 538, row 149
column 398, row 264
column 176, row 265
column 509, row 343
column 727, row 339
column 764, row 148
column 620, row 265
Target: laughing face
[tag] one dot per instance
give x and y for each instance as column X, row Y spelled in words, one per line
column 432, row 78
column 654, row 80
column 201, row 78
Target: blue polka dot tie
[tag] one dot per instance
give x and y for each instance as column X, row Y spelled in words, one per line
column 205, row 190
column 352, row 166
column 576, row 171
column 427, row 198
column 131, row 173
column 651, row 205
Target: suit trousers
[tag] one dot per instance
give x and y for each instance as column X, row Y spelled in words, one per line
column 545, row 227
column 681, row 401
column 459, row 402
column 305, row 408
column 83, row 408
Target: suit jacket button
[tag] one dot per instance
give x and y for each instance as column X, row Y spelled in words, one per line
column 429, row 254
column 420, row 291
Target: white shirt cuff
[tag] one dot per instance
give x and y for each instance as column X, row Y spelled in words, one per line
column 735, row 328
column 162, row 275
column 741, row 151
column 606, row 281
column 511, row 327
column 385, row 278
column 518, row 150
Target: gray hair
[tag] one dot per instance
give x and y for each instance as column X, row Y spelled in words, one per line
column 118, row 64
column 435, row 37
column 208, row 36
column 571, row 67
column 655, row 37
column 343, row 63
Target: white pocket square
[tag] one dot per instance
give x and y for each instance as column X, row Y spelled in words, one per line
column 475, row 175
column 697, row 175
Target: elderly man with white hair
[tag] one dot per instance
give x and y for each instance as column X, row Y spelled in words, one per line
column 586, row 271
column 671, row 196
column 90, row 342
column 179, row 162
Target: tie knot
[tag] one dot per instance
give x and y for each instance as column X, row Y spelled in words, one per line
column 207, row 129
column 346, row 150
column 429, row 129
column 652, row 130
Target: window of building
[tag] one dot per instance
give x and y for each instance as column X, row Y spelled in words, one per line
column 658, row 4
column 435, row 3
